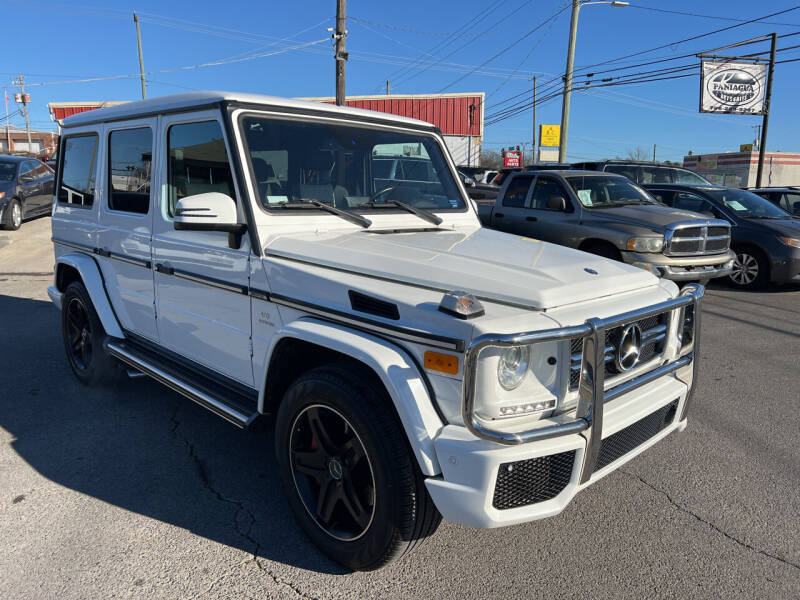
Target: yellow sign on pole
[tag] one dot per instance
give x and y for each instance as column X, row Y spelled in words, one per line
column 549, row 135
column 745, row 147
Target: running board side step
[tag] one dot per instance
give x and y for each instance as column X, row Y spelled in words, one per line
column 174, row 380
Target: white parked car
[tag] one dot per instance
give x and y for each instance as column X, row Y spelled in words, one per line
column 238, row 249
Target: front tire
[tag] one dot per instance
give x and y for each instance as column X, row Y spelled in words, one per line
column 750, row 269
column 83, row 335
column 349, row 475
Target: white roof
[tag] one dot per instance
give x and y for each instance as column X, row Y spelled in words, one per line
column 195, row 99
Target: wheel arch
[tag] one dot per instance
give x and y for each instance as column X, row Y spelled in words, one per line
column 591, row 242
column 758, row 248
column 76, row 266
column 308, row 343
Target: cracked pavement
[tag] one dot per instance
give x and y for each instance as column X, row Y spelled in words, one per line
column 135, row 492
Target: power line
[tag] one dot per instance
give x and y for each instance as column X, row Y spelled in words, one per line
column 507, row 48
column 690, row 14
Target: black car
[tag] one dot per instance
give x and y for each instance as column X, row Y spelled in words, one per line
column 764, row 237
column 645, row 172
column 788, row 198
column 478, row 190
column 26, row 189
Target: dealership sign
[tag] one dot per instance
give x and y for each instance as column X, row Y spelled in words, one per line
column 729, row 87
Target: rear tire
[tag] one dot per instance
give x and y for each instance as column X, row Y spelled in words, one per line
column 750, row 269
column 348, row 472
column 12, row 216
column 83, row 335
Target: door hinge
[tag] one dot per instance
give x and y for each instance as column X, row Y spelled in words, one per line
column 250, row 344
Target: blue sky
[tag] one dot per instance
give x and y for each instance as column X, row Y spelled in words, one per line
column 61, row 41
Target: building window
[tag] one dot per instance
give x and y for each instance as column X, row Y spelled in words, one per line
column 78, row 171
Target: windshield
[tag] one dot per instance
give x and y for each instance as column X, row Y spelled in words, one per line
column 604, row 191
column 747, row 205
column 349, row 167
column 7, row 171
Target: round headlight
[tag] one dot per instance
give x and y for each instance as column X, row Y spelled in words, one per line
column 512, row 366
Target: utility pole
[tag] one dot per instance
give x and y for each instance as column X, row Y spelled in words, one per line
column 573, row 31
column 24, row 99
column 141, row 58
column 763, row 145
column 654, row 153
column 387, row 87
column 341, row 56
column 8, row 133
column 533, row 138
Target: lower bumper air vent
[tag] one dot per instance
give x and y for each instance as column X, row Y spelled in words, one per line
column 534, row 480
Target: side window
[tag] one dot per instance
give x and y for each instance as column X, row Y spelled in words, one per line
column 26, row 169
column 198, row 162
column 545, row 189
column 791, row 203
column 663, row 196
column 656, row 175
column 629, row 172
column 78, row 170
column 691, row 202
column 130, row 154
column 41, row 172
column 517, row 192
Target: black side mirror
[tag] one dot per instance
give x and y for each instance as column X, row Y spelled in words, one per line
column 557, row 203
column 25, row 178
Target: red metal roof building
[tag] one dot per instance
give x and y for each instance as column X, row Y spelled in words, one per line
column 459, row 116
column 61, row 110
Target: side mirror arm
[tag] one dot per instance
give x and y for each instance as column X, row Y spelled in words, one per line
column 235, row 232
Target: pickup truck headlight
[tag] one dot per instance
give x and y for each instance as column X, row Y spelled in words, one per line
column 646, row 244
column 517, row 381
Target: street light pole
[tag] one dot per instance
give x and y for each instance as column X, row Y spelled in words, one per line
column 573, row 33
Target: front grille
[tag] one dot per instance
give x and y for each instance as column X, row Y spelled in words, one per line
column 687, row 241
column 533, row 480
column 633, row 436
column 654, row 337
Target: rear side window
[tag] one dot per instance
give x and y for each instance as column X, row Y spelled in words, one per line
column 78, row 170
column 130, row 155
column 545, row 189
column 517, row 192
column 631, row 173
column 198, row 162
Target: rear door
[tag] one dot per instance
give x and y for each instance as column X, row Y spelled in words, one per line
column 201, row 283
column 510, row 214
column 127, row 214
column 548, row 224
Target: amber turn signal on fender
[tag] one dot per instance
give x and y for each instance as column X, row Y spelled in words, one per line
column 445, row 363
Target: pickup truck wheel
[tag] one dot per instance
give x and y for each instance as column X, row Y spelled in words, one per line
column 604, row 250
column 750, row 269
column 83, row 335
column 348, row 472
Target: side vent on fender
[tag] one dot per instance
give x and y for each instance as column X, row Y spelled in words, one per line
column 373, row 306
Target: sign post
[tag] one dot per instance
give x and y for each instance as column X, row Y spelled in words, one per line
column 762, row 146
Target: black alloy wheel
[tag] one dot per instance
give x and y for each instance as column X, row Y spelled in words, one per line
column 83, row 335
column 350, row 477
column 79, row 334
column 332, row 472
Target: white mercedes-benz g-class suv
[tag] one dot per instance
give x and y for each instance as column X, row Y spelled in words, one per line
column 250, row 253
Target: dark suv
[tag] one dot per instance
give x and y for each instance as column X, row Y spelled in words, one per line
column 645, row 172
column 788, row 198
column 764, row 237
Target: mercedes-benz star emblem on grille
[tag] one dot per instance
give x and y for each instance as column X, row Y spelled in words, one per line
column 629, row 348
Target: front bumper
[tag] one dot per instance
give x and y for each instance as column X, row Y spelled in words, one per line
column 610, row 425
column 55, row 296
column 786, row 269
column 692, row 268
column 466, row 491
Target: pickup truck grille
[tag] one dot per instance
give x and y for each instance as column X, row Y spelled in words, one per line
column 686, row 241
column 654, row 335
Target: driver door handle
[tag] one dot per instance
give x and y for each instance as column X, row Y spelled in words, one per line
column 531, row 219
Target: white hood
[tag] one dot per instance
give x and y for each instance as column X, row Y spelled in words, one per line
column 487, row 263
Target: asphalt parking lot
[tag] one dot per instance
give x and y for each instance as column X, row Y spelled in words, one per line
column 135, row 492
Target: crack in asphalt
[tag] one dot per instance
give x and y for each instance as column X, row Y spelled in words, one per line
column 682, row 508
column 203, row 475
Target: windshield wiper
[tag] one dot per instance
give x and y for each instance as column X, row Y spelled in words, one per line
column 420, row 212
column 347, row 216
